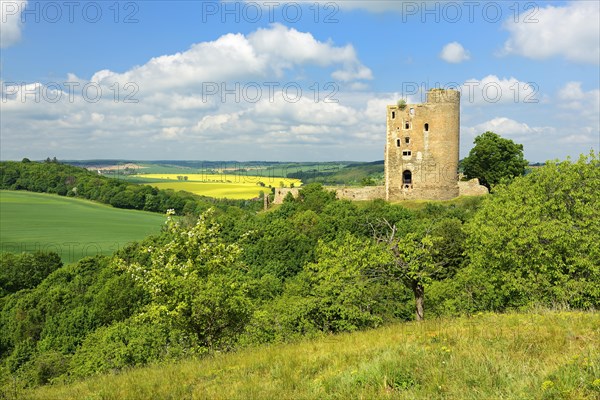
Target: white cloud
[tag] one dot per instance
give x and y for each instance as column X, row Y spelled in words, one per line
column 571, row 92
column 580, row 139
column 571, row 31
column 492, row 90
column 358, row 86
column 573, row 97
column 580, row 110
column 285, row 47
column 304, row 110
column 507, row 127
column 266, row 53
column 10, row 22
column 454, row 53
column 97, row 118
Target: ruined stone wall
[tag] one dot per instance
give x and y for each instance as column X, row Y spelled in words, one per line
column 349, row 193
column 360, row 193
column 422, row 148
column 280, row 194
column 468, row 188
column 472, row 188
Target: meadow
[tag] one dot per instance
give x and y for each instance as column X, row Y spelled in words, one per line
column 73, row 228
column 537, row 355
column 216, row 185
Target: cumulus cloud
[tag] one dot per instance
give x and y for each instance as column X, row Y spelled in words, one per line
column 573, row 97
column 507, row 127
column 580, row 139
column 284, row 47
column 571, row 31
column 492, row 90
column 580, row 108
column 264, row 53
column 10, row 22
column 454, row 53
column 542, row 142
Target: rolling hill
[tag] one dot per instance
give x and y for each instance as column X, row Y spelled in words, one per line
column 73, row 228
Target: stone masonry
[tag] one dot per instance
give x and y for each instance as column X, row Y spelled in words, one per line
column 421, row 151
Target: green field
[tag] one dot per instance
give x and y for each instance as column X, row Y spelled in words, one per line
column 546, row 355
column 73, row 228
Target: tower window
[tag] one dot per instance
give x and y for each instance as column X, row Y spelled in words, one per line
column 407, row 177
column 398, row 142
column 407, row 140
column 406, row 153
column 426, row 127
column 407, row 125
column 393, row 114
column 412, row 111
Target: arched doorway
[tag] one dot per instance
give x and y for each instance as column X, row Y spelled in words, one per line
column 406, row 178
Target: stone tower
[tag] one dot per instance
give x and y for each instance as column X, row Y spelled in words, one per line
column 421, row 151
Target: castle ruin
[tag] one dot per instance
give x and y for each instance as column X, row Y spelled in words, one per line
column 421, row 151
column 421, row 154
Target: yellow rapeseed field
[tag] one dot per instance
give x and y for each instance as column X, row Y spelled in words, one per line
column 220, row 185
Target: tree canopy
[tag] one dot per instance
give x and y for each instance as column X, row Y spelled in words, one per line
column 494, row 159
column 539, row 237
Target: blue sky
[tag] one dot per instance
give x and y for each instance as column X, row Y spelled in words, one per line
column 302, row 81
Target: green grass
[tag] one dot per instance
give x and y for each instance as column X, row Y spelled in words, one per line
column 545, row 355
column 73, row 228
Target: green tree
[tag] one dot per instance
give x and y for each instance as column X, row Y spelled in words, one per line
column 494, row 159
column 367, row 181
column 196, row 281
column 345, row 298
column 538, row 239
column 26, row 270
column 315, row 197
column 421, row 252
column 335, row 293
column 413, row 264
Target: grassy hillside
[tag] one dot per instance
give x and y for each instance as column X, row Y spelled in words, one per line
column 547, row 355
column 73, row 228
